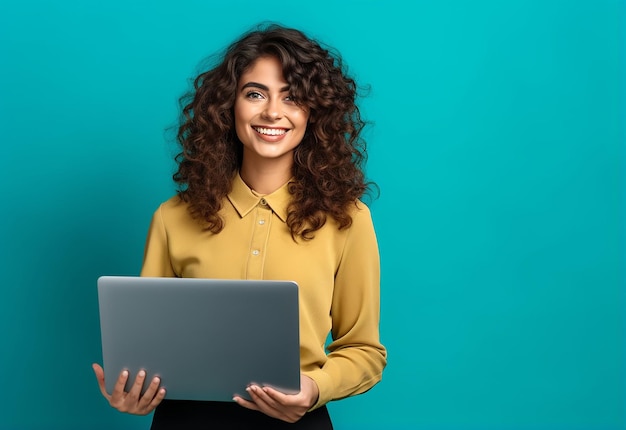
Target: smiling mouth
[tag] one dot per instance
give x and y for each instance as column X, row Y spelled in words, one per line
column 270, row 131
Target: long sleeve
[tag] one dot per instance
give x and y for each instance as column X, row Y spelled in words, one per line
column 356, row 357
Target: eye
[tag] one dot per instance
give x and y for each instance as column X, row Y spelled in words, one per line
column 255, row 95
column 290, row 99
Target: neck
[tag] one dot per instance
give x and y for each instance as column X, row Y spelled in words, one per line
column 264, row 179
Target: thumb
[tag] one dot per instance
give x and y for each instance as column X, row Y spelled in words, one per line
column 99, row 371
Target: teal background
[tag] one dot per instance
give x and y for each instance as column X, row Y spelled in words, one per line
column 498, row 144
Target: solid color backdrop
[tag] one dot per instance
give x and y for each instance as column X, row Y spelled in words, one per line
column 497, row 141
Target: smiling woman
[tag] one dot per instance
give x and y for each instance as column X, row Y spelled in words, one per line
column 270, row 176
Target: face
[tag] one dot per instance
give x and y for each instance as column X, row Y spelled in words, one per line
column 267, row 120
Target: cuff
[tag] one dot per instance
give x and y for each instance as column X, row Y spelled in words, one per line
column 324, row 385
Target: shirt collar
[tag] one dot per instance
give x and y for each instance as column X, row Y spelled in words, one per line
column 244, row 199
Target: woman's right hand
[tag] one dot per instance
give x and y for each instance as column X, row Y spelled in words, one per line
column 131, row 402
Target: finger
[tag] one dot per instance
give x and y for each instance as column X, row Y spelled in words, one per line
column 120, row 384
column 160, row 395
column 286, row 407
column 262, row 402
column 278, row 397
column 97, row 369
column 246, row 403
column 266, row 405
column 261, row 398
column 150, row 392
column 135, row 390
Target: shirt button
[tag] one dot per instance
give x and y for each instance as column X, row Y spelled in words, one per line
column 263, row 202
column 255, row 252
column 261, row 221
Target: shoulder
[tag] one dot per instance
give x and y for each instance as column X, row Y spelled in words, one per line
column 360, row 236
column 173, row 203
column 359, row 211
column 173, row 210
column 359, row 206
column 361, row 217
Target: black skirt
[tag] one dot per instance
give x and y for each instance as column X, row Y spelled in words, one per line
column 195, row 415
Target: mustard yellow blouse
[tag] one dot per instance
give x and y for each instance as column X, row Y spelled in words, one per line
column 337, row 273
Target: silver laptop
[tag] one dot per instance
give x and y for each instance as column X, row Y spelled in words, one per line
column 207, row 339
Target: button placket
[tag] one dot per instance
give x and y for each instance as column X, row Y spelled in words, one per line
column 260, row 234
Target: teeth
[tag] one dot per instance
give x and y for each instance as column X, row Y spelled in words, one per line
column 271, row 131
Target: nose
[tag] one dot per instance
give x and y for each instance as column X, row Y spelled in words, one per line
column 273, row 109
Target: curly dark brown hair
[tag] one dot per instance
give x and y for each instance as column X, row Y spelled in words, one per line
column 328, row 163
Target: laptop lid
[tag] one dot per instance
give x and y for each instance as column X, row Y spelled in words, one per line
column 207, row 339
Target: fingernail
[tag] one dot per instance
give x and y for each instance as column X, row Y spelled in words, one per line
column 125, row 373
column 142, row 373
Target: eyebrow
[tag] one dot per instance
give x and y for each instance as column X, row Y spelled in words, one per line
column 262, row 87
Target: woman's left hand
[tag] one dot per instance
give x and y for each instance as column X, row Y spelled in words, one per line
column 286, row 407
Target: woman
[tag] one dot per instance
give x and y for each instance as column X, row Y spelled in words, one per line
column 269, row 184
